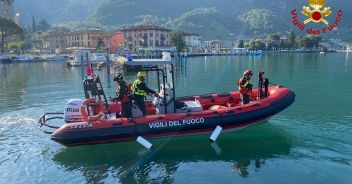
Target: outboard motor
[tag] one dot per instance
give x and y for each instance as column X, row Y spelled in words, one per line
column 71, row 113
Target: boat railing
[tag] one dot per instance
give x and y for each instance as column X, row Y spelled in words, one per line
column 44, row 121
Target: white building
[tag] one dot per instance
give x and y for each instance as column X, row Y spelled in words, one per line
column 192, row 40
column 6, row 9
column 146, row 36
column 206, row 44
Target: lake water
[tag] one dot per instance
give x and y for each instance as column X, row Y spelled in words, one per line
column 310, row 142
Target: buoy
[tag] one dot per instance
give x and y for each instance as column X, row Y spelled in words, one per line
column 215, row 133
column 144, row 142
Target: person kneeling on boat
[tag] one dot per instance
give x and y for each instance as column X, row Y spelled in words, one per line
column 245, row 86
column 123, row 92
column 141, row 90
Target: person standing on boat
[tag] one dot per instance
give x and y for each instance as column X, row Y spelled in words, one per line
column 245, row 86
column 123, row 93
column 141, row 90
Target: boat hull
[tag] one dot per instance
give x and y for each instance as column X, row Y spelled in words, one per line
column 123, row 129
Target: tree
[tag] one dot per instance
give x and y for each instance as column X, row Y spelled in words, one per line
column 273, row 40
column 240, row 44
column 8, row 28
column 22, row 45
column 309, row 42
column 247, row 46
column 292, row 39
column 255, row 45
column 262, row 21
column 316, row 40
column 177, row 41
column 43, row 25
column 259, row 45
column 34, row 26
column 12, row 45
column 284, row 44
column 16, row 46
column 252, row 45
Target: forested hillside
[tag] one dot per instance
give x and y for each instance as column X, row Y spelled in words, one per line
column 210, row 18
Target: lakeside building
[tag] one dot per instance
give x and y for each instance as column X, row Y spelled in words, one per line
column 217, row 46
column 6, row 9
column 206, row 44
column 146, row 36
column 59, row 39
column 55, row 39
column 192, row 41
column 117, row 41
column 347, row 47
column 88, row 38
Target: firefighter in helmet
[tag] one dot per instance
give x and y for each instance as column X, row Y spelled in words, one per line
column 123, row 92
column 141, row 91
column 245, row 86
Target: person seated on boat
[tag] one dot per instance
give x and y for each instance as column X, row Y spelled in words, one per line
column 123, row 92
column 245, row 86
column 141, row 90
column 165, row 99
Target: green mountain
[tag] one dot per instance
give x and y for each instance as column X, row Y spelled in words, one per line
column 210, row 18
column 54, row 11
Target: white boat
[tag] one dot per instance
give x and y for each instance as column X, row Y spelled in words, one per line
column 80, row 57
column 239, row 51
column 99, row 57
column 4, row 59
column 23, row 58
column 54, row 57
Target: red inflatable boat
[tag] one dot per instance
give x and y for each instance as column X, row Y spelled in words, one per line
column 204, row 114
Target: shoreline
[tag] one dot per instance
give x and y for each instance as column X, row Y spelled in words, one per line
column 266, row 52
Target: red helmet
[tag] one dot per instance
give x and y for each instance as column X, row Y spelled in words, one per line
column 248, row 73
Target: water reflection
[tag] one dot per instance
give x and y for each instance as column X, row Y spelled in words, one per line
column 12, row 86
column 129, row 163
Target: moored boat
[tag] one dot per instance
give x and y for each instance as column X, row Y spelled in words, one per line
column 80, row 57
column 4, row 59
column 23, row 58
column 55, row 57
column 99, row 57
